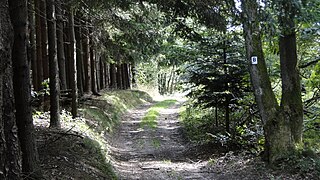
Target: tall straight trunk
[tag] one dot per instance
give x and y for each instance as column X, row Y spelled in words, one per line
column 79, row 59
column 53, row 66
column 133, row 74
column 123, row 76
column 113, row 80
column 119, row 77
column 93, row 68
column 106, row 74
column 73, row 65
column 126, row 76
column 60, row 46
column 102, row 80
column 66, row 31
column 278, row 139
column 44, row 39
column 98, row 72
column 10, row 154
column 32, row 39
column 86, row 59
column 39, row 43
column 291, row 102
column 22, row 90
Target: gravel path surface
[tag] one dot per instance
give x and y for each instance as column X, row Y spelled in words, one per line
column 154, row 153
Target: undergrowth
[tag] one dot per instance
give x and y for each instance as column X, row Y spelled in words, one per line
column 99, row 116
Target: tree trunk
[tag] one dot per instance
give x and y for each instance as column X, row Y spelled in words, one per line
column 79, row 59
column 67, row 52
column 119, row 77
column 278, row 140
column 133, row 74
column 73, row 65
column 113, row 75
column 10, row 154
column 60, row 46
column 123, row 76
column 291, row 102
column 53, row 64
column 93, row 68
column 32, row 38
column 107, row 75
column 102, row 80
column 39, row 44
column 127, row 76
column 97, row 64
column 44, row 39
column 86, row 59
column 22, row 90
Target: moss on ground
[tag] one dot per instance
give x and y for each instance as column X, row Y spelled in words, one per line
column 150, row 119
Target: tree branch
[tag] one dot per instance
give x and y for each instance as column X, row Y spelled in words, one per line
column 310, row 63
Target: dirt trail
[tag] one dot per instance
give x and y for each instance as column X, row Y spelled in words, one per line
column 159, row 153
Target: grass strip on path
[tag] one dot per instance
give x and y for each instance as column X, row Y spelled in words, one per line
column 150, row 119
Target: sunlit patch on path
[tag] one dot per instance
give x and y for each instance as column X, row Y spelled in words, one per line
column 154, row 153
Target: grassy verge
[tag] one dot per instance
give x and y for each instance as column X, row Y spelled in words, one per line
column 99, row 116
column 150, row 119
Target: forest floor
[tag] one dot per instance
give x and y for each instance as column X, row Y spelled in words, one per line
column 83, row 148
column 163, row 152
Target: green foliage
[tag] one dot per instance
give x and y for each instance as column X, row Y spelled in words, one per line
column 106, row 113
column 99, row 157
column 303, row 162
column 204, row 125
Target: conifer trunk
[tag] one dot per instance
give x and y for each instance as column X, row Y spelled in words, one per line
column 32, row 38
column 22, row 90
column 73, row 65
column 39, row 43
column 60, row 46
column 44, row 39
column 53, row 64
column 10, row 155
column 93, row 68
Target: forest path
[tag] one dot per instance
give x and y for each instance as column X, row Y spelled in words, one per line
column 154, row 153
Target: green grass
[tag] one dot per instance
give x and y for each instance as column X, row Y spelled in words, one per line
column 105, row 112
column 150, row 119
column 102, row 115
column 99, row 158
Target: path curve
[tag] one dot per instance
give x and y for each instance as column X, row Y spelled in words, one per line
column 158, row 153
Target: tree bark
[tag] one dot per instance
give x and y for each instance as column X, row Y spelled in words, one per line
column 278, row 140
column 39, row 44
column 60, row 46
column 119, row 77
column 73, row 65
column 93, row 68
column 113, row 80
column 86, row 59
column 53, row 64
column 44, row 39
column 32, row 38
column 79, row 57
column 22, row 90
column 291, row 102
column 133, row 74
column 102, row 80
column 10, row 155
